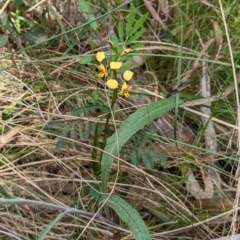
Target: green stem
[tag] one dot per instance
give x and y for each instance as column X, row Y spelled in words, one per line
column 95, row 165
column 106, row 128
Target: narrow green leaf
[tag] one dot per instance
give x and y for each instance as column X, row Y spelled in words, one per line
column 130, row 216
column 158, row 156
column 140, row 6
column 129, row 127
column 83, row 6
column 45, row 231
column 73, row 134
column 146, row 158
column 103, row 105
column 80, row 131
column 139, row 23
column 134, row 157
column 56, row 123
column 75, row 41
column 138, row 45
column 86, row 108
column 115, row 42
column 85, row 59
column 93, row 24
column 61, row 139
column 136, row 36
column 130, row 21
column 120, row 31
column 4, row 193
column 87, row 130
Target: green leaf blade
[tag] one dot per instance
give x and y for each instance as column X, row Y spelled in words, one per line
column 83, row 6
column 130, row 216
column 139, row 23
column 93, row 24
column 129, row 127
column 47, row 229
column 136, row 36
column 130, row 21
column 85, row 60
column 120, row 31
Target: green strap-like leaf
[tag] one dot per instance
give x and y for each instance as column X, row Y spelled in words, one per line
column 61, row 139
column 45, row 231
column 136, row 36
column 130, row 126
column 139, row 23
column 120, row 31
column 130, row 21
column 130, row 216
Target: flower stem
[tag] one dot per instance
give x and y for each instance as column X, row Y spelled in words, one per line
column 106, row 128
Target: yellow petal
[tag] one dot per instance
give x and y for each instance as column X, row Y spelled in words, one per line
column 112, row 83
column 126, row 94
column 102, row 74
column 100, row 56
column 115, row 65
column 101, row 68
column 127, row 75
column 125, row 89
column 124, row 86
column 128, row 50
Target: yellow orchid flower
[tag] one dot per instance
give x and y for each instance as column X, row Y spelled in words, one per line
column 102, row 71
column 125, row 90
column 127, row 75
column 112, row 83
column 115, row 65
column 100, row 56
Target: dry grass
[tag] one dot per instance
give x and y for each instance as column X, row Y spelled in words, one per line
column 43, row 85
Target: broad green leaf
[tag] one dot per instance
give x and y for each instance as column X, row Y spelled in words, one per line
column 130, row 21
column 85, row 59
column 129, row 127
column 83, row 6
column 45, row 231
column 120, row 31
column 35, row 35
column 3, row 40
column 140, row 6
column 139, row 23
column 93, row 21
column 136, row 36
column 95, row 95
column 4, row 19
column 130, row 216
